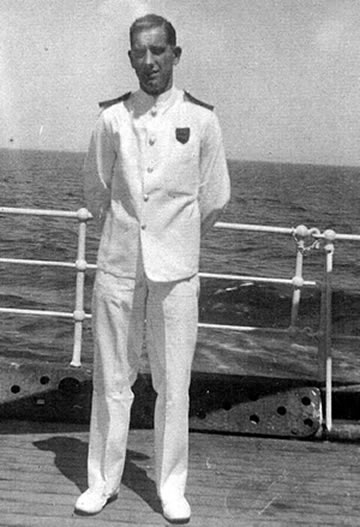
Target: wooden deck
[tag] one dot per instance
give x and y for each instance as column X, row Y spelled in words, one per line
column 234, row 481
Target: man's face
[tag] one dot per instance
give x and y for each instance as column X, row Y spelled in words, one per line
column 153, row 60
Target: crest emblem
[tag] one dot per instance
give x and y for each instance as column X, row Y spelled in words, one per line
column 182, row 135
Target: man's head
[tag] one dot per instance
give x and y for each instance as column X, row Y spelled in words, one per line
column 153, row 53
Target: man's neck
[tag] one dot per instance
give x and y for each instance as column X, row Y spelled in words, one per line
column 160, row 97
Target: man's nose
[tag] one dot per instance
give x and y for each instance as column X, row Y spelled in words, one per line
column 149, row 57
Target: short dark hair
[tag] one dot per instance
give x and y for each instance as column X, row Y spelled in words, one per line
column 149, row 21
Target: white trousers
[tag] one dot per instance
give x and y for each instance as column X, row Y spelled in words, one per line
column 120, row 308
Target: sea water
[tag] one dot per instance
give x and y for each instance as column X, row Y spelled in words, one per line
column 275, row 194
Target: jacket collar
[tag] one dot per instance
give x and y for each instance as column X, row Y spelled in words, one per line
column 142, row 102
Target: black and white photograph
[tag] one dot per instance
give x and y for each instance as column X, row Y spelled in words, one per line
column 179, row 263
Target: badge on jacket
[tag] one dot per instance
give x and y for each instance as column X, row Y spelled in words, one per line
column 182, row 135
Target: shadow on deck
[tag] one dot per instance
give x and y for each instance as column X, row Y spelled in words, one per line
column 234, row 481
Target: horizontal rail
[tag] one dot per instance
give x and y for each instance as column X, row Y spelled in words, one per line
column 343, row 237
column 88, row 316
column 219, row 276
column 43, row 312
column 284, row 230
column 45, row 263
column 39, row 212
column 84, row 214
column 258, row 279
column 230, row 327
column 14, row 310
column 253, row 228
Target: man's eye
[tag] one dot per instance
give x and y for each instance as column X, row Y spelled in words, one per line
column 138, row 53
column 157, row 51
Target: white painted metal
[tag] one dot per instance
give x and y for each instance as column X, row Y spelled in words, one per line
column 255, row 279
column 329, row 236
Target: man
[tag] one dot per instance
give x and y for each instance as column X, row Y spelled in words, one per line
column 155, row 177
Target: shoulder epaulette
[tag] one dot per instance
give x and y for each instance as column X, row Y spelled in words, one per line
column 190, row 98
column 105, row 104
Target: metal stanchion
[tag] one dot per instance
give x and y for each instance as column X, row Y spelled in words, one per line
column 81, row 264
column 329, row 237
column 301, row 232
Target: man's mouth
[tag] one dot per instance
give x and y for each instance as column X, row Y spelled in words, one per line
column 152, row 75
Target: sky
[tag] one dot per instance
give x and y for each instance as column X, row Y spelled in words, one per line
column 283, row 74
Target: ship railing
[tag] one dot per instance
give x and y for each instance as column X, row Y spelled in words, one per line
column 305, row 240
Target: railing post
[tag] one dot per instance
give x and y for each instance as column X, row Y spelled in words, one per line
column 79, row 314
column 325, row 351
column 301, row 232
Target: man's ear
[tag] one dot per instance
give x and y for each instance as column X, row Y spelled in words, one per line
column 177, row 54
column 130, row 58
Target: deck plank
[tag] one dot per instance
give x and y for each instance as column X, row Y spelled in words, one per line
column 233, row 480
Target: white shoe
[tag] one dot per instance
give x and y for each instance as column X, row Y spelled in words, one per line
column 177, row 510
column 92, row 502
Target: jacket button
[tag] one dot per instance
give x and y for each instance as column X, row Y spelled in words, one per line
column 143, row 227
column 152, row 141
column 150, row 169
column 146, row 197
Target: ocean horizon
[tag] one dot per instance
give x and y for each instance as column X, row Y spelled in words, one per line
column 263, row 193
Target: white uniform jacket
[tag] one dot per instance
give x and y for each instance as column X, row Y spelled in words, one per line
column 156, row 174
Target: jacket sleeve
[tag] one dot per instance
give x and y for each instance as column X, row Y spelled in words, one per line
column 214, row 191
column 98, row 170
